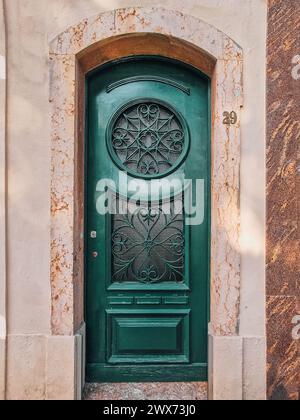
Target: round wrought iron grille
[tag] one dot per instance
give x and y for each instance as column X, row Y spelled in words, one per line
column 148, row 139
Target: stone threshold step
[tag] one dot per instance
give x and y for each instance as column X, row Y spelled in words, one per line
column 146, row 391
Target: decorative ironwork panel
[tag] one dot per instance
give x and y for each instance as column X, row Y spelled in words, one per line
column 148, row 139
column 148, row 246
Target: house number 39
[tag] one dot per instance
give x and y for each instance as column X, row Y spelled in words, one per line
column 230, row 118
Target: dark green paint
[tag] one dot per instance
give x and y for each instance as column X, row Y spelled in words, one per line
column 179, row 117
column 149, row 78
column 146, row 332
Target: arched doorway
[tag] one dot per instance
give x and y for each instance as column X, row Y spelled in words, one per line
column 148, row 236
column 76, row 52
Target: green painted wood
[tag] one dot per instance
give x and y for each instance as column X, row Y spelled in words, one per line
column 147, row 373
column 148, row 300
column 176, row 300
column 145, row 327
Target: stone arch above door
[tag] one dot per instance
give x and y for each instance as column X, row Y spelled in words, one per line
column 116, row 34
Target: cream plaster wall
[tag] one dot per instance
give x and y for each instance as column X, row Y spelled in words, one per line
column 31, row 24
column 2, row 203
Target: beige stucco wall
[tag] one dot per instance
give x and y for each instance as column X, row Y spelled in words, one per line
column 2, row 203
column 31, row 25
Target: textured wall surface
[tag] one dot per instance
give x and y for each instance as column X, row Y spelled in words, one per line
column 31, row 24
column 2, row 202
column 283, row 197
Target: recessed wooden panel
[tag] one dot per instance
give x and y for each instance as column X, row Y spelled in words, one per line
column 148, row 300
column 120, row 300
column 148, row 336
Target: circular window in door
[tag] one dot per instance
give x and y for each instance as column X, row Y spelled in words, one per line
column 148, row 139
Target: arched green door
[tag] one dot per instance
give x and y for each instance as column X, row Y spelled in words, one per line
column 147, row 267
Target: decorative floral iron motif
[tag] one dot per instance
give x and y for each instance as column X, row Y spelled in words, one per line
column 148, row 246
column 148, row 139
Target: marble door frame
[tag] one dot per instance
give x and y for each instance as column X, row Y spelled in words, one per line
column 89, row 44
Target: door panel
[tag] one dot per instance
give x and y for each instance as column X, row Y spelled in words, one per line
column 164, row 336
column 147, row 270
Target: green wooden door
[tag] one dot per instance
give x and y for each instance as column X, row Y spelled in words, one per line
column 147, row 268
